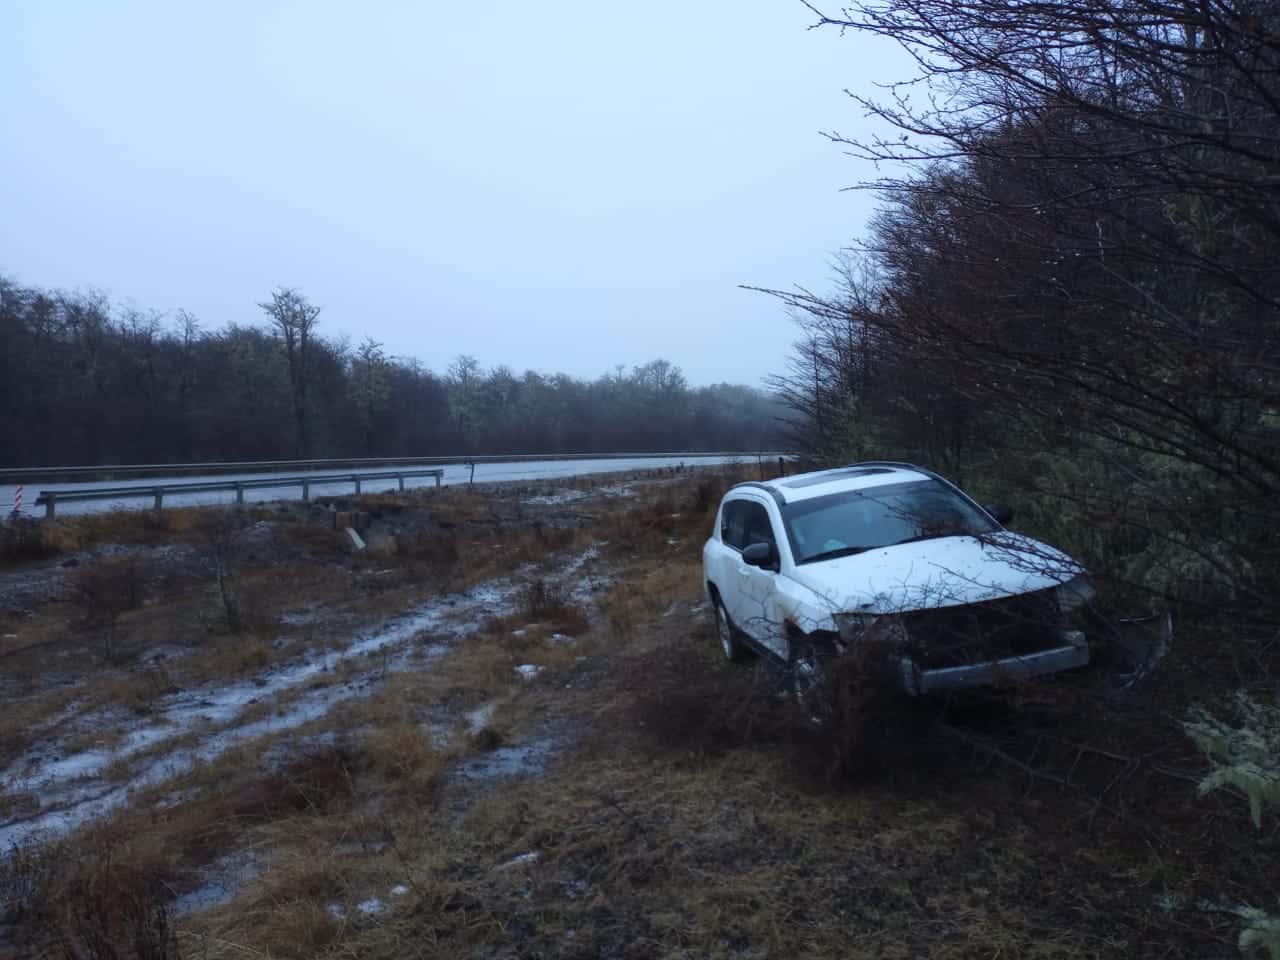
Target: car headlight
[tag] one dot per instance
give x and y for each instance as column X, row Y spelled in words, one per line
column 852, row 626
column 1076, row 594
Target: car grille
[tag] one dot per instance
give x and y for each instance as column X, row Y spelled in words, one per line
column 977, row 632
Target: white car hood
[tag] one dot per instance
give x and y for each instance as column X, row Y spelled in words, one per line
column 944, row 572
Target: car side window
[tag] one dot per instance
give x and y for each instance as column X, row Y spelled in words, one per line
column 757, row 528
column 744, row 522
column 733, row 524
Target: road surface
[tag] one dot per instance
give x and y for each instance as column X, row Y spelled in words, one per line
column 453, row 474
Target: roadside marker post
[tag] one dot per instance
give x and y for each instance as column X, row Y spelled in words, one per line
column 17, row 501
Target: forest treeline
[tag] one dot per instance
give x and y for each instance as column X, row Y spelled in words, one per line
column 1070, row 299
column 83, row 381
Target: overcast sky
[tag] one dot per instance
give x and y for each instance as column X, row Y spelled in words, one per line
column 564, row 185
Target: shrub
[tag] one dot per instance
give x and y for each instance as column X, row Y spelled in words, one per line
column 545, row 602
column 685, row 703
column 107, row 588
column 706, row 495
column 86, row 902
column 865, row 728
column 23, row 541
column 866, row 724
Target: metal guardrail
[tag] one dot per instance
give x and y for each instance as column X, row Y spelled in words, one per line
column 49, row 474
column 49, row 499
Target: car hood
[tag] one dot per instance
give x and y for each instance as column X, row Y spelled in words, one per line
column 944, row 572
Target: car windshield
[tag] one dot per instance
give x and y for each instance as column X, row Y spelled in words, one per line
column 852, row 521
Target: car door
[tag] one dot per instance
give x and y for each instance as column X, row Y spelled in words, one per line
column 754, row 606
column 720, row 558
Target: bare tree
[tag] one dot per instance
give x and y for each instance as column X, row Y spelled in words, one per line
column 84, row 381
column 464, row 378
column 1075, row 292
column 294, row 318
column 370, row 387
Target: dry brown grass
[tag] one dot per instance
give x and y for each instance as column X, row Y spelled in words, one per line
column 403, row 753
column 27, row 717
column 29, row 541
column 546, row 603
column 86, row 903
column 137, row 690
column 32, row 540
column 686, row 822
column 645, row 855
column 305, row 810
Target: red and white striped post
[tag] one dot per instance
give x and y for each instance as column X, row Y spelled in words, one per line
column 17, row 501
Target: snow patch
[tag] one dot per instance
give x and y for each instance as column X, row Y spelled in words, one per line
column 480, row 717
column 555, row 499
column 70, row 787
column 520, row 861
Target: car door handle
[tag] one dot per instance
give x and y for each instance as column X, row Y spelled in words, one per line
column 744, row 571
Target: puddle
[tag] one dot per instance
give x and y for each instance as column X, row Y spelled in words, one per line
column 517, row 760
column 71, row 790
column 555, row 499
column 222, row 880
column 70, row 787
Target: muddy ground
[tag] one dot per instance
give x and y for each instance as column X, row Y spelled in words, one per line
column 502, row 730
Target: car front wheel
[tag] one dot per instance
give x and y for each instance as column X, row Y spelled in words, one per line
column 729, row 645
column 809, row 683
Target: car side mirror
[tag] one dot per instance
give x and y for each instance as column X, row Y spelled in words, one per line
column 1001, row 513
column 759, row 554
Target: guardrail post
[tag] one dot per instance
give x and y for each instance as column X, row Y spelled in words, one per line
column 782, row 466
column 439, row 475
column 49, row 509
column 472, row 478
column 357, row 480
column 306, row 491
column 159, row 498
column 400, row 479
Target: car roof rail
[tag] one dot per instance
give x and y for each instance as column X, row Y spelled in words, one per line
column 773, row 491
column 903, row 465
column 896, row 464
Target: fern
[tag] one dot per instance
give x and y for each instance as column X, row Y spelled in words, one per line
column 1261, row 932
column 1245, row 755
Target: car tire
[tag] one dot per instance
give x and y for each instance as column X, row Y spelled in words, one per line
column 809, row 683
column 730, row 646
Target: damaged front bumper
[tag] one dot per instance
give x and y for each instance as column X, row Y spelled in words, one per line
column 918, row 682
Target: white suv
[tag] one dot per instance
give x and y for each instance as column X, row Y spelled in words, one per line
column 804, row 567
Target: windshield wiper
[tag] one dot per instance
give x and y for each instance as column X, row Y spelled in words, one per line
column 832, row 554
column 930, row 536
